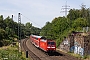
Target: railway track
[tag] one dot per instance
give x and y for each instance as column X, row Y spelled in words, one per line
column 37, row 54
column 31, row 54
column 69, row 57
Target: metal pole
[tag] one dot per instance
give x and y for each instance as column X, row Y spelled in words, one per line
column 13, row 30
column 19, row 31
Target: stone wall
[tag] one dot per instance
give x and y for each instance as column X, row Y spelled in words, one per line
column 77, row 42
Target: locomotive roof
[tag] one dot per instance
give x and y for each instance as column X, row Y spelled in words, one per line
column 36, row 36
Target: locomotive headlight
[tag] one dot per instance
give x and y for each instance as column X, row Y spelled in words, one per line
column 48, row 47
column 52, row 47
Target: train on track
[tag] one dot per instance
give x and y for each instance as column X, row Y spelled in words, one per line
column 46, row 45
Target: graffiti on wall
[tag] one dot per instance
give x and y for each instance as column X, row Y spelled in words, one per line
column 77, row 49
column 65, row 45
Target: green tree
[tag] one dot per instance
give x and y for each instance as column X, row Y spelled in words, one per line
column 35, row 30
column 28, row 28
column 2, row 24
column 46, row 30
column 2, row 34
column 79, row 23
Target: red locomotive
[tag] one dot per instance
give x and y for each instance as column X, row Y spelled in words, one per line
column 42, row 43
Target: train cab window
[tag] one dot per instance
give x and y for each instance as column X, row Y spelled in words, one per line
column 51, row 43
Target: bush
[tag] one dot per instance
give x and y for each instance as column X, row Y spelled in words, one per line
column 58, row 41
column 6, row 42
column 11, row 53
column 1, row 44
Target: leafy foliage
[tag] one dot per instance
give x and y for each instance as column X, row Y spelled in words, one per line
column 10, row 53
column 9, row 30
column 61, row 27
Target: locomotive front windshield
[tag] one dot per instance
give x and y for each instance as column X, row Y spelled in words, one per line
column 51, row 43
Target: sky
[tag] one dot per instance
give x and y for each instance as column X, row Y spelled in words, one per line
column 38, row 12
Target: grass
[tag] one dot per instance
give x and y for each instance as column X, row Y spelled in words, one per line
column 79, row 57
column 11, row 53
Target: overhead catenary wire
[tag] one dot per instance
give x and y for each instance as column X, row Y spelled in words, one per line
column 30, row 20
